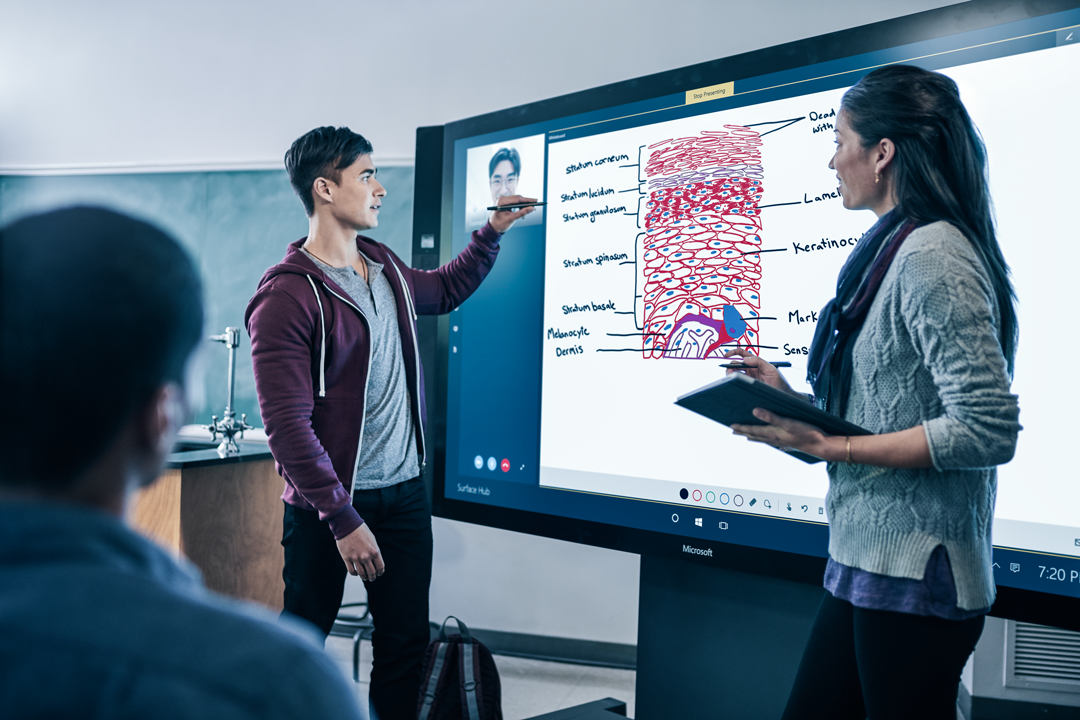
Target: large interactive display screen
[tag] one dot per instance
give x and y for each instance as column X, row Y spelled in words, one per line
column 703, row 217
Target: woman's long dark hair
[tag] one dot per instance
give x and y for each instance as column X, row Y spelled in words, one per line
column 940, row 171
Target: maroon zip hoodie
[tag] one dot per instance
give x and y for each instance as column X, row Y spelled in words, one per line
column 311, row 349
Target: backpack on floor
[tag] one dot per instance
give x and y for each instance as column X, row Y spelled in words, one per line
column 460, row 680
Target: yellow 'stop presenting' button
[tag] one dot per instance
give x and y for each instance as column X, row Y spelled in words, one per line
column 713, row 92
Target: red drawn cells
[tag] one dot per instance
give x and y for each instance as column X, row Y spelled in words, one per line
column 702, row 273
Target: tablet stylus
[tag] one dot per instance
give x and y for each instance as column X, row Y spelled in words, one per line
column 741, row 366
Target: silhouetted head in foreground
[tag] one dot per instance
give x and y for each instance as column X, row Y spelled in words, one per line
column 99, row 315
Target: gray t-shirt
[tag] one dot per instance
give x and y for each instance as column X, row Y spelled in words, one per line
column 388, row 444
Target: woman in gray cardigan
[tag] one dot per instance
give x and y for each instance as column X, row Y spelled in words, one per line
column 917, row 347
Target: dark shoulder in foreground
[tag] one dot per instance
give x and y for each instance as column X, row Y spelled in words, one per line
column 118, row 629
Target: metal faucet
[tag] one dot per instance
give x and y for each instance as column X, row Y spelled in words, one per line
column 228, row 427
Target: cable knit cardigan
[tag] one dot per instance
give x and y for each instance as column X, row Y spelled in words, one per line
column 928, row 354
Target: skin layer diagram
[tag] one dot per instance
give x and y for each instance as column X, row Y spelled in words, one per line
column 698, row 257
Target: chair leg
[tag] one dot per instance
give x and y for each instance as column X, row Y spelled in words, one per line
column 356, row 654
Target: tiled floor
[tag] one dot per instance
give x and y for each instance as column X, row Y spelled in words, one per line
column 529, row 687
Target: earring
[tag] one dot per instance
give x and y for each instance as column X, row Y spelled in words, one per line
column 877, row 177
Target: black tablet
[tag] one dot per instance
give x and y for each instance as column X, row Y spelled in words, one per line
column 731, row 401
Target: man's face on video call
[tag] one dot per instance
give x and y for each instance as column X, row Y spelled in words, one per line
column 503, row 181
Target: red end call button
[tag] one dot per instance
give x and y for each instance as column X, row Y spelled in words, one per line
column 505, row 465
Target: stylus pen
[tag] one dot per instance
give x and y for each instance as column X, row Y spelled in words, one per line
column 517, row 206
column 741, row 366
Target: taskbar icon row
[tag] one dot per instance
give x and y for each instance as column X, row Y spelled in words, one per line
column 760, row 503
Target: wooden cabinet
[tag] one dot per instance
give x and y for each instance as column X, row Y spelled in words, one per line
column 225, row 517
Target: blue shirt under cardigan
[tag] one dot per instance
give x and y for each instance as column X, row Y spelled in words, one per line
column 97, row 622
column 933, row 596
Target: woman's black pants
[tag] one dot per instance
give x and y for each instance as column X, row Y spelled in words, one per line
column 878, row 665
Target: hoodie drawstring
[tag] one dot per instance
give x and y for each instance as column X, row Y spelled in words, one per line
column 322, row 350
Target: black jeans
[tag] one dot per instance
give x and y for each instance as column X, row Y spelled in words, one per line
column 876, row 664
column 400, row 518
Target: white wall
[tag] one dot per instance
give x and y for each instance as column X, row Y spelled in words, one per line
column 137, row 85
column 230, row 83
column 533, row 585
column 501, row 580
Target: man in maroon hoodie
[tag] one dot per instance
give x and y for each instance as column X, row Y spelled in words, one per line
column 341, row 389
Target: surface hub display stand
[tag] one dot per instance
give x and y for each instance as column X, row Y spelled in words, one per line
column 712, row 643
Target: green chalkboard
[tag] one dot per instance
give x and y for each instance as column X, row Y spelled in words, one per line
column 234, row 224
